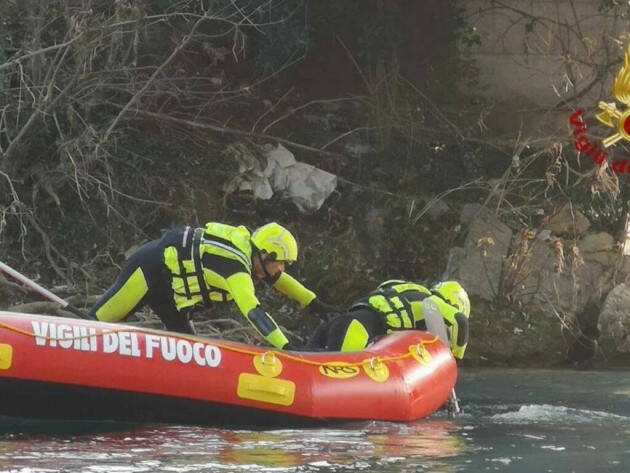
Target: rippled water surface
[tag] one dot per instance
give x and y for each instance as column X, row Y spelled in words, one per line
column 514, row 421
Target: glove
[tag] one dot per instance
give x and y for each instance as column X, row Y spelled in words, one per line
column 325, row 311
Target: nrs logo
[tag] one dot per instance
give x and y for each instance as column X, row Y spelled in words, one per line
column 339, row 370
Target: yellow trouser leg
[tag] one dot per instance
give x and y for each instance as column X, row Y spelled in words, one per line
column 356, row 337
column 125, row 299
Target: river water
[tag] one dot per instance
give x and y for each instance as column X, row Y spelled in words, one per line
column 513, row 421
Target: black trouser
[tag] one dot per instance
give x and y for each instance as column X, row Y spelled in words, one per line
column 358, row 328
column 145, row 280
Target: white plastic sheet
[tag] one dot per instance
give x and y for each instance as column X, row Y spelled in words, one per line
column 306, row 185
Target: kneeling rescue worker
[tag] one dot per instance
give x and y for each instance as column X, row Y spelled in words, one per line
column 217, row 263
column 397, row 305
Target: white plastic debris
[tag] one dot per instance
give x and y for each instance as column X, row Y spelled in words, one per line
column 307, row 186
column 251, row 176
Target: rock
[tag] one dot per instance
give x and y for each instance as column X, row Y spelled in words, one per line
column 554, row 284
column 454, row 261
column 538, row 281
column 614, row 320
column 480, row 274
column 567, row 221
column 437, row 209
column 596, row 242
column 471, row 211
column 604, row 258
column 533, row 275
column 624, row 268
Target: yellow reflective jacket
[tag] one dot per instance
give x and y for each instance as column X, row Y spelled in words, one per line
column 401, row 304
column 214, row 264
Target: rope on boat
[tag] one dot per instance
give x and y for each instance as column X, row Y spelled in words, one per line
column 375, row 360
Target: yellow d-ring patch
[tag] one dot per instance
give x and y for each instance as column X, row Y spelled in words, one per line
column 6, row 356
column 376, row 369
column 339, row 370
column 420, row 353
column 268, row 364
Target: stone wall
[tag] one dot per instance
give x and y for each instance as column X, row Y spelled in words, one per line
column 547, row 283
column 537, row 53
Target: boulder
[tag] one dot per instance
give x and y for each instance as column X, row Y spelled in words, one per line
column 567, row 221
column 480, row 273
column 437, row 209
column 539, row 278
column 566, row 290
column 595, row 242
column 471, row 211
column 614, row 320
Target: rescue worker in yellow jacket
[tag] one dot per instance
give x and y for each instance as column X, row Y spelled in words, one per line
column 216, row 263
column 397, row 305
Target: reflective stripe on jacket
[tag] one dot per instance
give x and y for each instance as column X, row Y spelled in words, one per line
column 224, row 252
column 401, row 304
column 214, row 264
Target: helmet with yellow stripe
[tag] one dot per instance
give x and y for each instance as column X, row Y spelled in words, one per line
column 453, row 294
column 277, row 241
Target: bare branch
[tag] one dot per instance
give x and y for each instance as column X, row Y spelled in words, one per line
column 155, row 74
column 235, row 132
column 40, row 51
column 42, row 108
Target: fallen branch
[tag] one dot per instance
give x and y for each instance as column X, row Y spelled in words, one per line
column 5, row 283
column 233, row 131
column 43, row 308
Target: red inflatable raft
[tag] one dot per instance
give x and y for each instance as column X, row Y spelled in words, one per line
column 60, row 368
